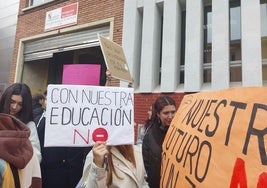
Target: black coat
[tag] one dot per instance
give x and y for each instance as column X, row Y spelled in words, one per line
column 37, row 112
column 152, row 149
column 60, row 166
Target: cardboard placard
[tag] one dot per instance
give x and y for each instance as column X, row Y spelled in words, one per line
column 115, row 59
column 79, row 115
column 218, row 139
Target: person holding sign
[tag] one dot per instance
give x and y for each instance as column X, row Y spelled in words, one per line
column 163, row 112
column 114, row 166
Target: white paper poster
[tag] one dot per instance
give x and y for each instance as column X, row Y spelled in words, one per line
column 78, row 115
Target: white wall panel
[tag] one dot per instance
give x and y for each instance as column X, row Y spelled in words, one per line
column 171, row 46
column 220, row 45
column 251, row 43
column 194, row 46
column 150, row 57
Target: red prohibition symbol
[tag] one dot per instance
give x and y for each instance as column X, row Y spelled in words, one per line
column 100, row 134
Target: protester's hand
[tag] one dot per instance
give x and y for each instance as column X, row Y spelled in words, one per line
column 108, row 78
column 99, row 151
column 131, row 82
column 108, row 74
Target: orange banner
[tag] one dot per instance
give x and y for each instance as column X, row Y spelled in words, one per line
column 218, row 139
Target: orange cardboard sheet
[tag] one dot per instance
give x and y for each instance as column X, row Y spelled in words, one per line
column 218, row 139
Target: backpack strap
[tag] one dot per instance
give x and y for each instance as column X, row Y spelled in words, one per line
column 15, row 175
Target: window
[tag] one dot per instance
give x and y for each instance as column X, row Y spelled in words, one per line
column 235, row 41
column 207, row 42
column 38, row 2
column 160, row 8
column 263, row 10
column 182, row 57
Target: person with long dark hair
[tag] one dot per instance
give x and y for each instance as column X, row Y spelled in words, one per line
column 19, row 140
column 163, row 112
column 17, row 101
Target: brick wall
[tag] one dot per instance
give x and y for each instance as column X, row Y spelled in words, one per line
column 32, row 21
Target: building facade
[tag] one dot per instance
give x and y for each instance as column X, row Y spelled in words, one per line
column 8, row 24
column 185, row 46
column 192, row 46
column 172, row 47
column 63, row 32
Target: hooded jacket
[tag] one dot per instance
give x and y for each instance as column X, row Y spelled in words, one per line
column 16, row 150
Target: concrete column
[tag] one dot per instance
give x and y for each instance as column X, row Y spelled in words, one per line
column 171, row 46
column 132, row 37
column 251, row 43
column 220, row 45
column 150, row 55
column 194, row 46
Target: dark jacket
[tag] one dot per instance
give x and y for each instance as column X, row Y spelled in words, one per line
column 37, row 112
column 60, row 166
column 151, row 149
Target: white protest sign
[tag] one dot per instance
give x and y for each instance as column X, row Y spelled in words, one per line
column 77, row 115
